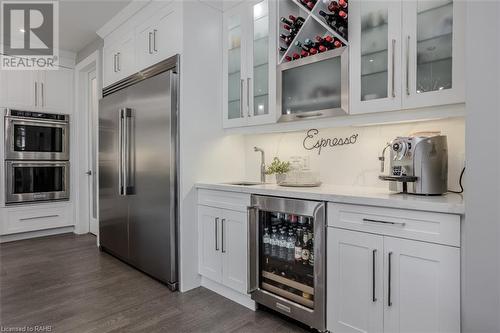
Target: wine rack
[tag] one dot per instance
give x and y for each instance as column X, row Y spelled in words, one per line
column 314, row 25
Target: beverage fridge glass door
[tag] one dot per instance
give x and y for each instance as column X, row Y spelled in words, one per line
column 290, row 266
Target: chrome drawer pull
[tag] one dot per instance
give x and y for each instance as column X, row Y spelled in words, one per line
column 402, row 224
column 37, row 217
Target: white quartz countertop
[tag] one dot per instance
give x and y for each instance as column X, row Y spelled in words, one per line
column 450, row 203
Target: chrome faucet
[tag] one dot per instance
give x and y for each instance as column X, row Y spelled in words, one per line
column 262, row 164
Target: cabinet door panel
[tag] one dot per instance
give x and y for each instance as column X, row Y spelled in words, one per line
column 57, row 90
column 18, row 88
column 167, row 33
column 375, row 54
column 355, row 286
column 261, row 57
column 424, row 290
column 433, row 54
column 210, row 260
column 235, row 25
column 234, row 250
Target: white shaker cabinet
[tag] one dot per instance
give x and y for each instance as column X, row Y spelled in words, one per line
column 355, row 271
column 44, row 90
column 234, row 250
column 210, row 260
column 406, row 54
column 423, row 287
column 158, row 37
column 249, row 62
column 380, row 281
column 118, row 58
column 222, row 238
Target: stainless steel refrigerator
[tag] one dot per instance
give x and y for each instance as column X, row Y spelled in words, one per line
column 138, row 154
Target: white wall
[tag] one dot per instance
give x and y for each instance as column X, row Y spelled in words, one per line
column 205, row 152
column 356, row 164
column 481, row 230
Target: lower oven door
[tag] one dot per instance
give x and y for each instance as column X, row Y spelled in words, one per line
column 287, row 257
column 36, row 181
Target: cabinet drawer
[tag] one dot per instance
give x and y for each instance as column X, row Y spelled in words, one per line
column 31, row 219
column 222, row 199
column 424, row 226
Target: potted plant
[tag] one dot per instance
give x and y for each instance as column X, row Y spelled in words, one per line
column 278, row 168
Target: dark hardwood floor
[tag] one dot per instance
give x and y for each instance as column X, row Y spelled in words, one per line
column 66, row 283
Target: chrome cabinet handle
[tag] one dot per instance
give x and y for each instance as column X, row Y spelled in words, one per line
column 389, row 278
column 248, row 97
column 242, row 81
column 374, row 295
column 408, row 66
column 43, row 96
column 36, row 94
column 37, row 217
column 154, row 40
column 114, row 63
column 393, row 60
column 223, row 241
column 118, row 62
column 150, row 35
column 252, row 248
column 384, row 222
column 216, row 223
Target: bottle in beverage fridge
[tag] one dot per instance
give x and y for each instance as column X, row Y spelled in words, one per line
column 266, row 240
column 282, row 245
column 311, row 252
column 305, row 254
column 298, row 246
column 302, row 220
column 290, row 247
column 274, row 243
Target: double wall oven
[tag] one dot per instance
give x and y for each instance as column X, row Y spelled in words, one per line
column 36, row 156
column 287, row 257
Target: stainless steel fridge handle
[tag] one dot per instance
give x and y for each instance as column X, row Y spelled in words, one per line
column 408, row 65
column 242, row 81
column 253, row 234
column 36, row 94
column 248, row 97
column 120, row 152
column 127, row 160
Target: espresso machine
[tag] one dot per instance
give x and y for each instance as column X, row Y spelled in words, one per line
column 418, row 164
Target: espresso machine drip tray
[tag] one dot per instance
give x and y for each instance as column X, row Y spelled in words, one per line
column 402, row 179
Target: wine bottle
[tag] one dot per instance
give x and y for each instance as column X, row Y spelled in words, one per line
column 282, row 49
column 298, row 247
column 304, row 54
column 333, row 6
column 286, row 21
column 310, row 5
column 313, row 51
column 286, row 38
column 288, row 58
column 298, row 20
column 342, row 14
column 322, row 48
column 296, row 56
column 343, row 4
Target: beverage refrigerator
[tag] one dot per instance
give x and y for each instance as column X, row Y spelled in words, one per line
column 287, row 257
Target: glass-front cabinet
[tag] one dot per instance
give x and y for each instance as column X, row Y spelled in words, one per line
column 249, row 63
column 433, row 54
column 375, row 60
column 405, row 54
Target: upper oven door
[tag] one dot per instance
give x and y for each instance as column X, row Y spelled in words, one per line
column 31, row 139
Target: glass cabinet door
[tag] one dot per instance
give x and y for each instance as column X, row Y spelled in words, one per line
column 234, row 51
column 260, row 63
column 375, row 53
column 433, row 52
column 260, row 82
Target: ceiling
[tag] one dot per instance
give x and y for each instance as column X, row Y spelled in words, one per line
column 79, row 20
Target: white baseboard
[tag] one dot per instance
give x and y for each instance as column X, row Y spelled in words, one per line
column 35, row 234
column 229, row 293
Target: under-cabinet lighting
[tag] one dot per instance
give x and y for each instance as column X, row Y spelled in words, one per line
column 22, row 30
column 371, row 60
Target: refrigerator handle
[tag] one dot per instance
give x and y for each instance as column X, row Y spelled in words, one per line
column 120, row 152
column 252, row 245
column 128, row 183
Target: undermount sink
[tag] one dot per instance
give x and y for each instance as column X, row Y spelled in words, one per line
column 243, row 183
